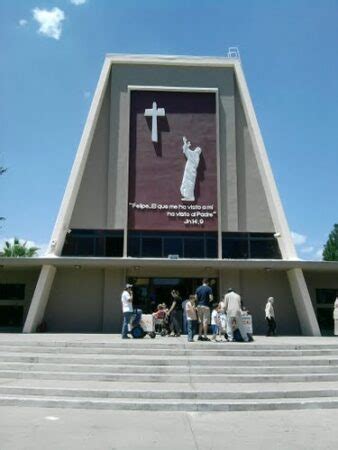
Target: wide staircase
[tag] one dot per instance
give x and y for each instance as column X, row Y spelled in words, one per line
column 167, row 374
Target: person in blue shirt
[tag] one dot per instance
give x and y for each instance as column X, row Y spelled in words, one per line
column 204, row 297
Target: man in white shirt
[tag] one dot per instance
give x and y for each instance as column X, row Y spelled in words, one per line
column 233, row 310
column 270, row 317
column 127, row 309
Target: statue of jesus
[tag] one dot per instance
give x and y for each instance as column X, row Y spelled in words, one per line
column 190, row 171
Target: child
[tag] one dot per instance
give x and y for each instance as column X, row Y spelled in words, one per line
column 191, row 312
column 215, row 322
column 160, row 313
column 159, row 316
column 222, row 318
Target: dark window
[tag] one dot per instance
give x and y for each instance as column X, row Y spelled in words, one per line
column 100, row 243
column 145, row 244
column 11, row 316
column 264, row 248
column 172, row 246
column 152, row 247
column 211, row 248
column 326, row 296
column 85, row 246
column 93, row 243
column 250, row 245
column 235, row 248
column 114, row 246
column 134, row 247
column 194, row 248
column 12, row 291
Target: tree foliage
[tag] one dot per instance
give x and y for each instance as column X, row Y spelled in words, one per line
column 330, row 252
column 18, row 249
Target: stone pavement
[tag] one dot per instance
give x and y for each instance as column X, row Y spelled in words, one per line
column 67, row 429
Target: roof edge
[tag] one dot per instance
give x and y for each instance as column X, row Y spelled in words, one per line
column 215, row 61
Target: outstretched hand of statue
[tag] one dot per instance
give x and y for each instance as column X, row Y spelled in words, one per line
column 186, row 142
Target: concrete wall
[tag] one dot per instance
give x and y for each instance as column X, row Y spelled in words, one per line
column 90, row 210
column 27, row 277
column 103, row 196
column 253, row 211
column 255, row 286
column 88, row 300
column 85, row 300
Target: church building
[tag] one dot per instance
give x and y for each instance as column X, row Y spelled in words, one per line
column 171, row 183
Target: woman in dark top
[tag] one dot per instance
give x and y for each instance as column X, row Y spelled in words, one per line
column 174, row 311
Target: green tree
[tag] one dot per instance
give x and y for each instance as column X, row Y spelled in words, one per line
column 18, row 250
column 330, row 252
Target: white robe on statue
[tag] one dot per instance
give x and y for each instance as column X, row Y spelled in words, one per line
column 190, row 171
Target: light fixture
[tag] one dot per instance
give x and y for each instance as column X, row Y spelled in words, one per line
column 77, row 266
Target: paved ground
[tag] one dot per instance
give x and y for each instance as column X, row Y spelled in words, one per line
column 60, row 429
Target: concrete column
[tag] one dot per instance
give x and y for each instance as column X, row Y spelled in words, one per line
column 114, row 282
column 40, row 298
column 306, row 315
column 229, row 278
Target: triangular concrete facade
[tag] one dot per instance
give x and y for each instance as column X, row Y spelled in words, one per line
column 249, row 200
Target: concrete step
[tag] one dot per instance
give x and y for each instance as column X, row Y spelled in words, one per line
column 159, row 343
column 250, row 368
column 164, row 374
column 169, row 378
column 211, row 349
column 166, row 394
column 168, row 360
column 169, row 404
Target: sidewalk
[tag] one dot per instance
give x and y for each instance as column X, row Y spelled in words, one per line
column 62, row 429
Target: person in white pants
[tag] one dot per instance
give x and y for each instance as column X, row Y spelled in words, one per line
column 232, row 308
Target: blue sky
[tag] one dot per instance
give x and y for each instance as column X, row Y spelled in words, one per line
column 47, row 78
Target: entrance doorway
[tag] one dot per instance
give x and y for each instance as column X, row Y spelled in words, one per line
column 149, row 292
column 325, row 299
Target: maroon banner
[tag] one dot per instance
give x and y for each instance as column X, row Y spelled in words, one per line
column 173, row 182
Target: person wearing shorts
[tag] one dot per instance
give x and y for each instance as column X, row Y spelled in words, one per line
column 204, row 297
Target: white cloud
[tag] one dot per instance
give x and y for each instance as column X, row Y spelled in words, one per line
column 308, row 249
column 298, row 239
column 23, row 22
column 42, row 247
column 50, row 21
column 87, row 94
column 78, row 2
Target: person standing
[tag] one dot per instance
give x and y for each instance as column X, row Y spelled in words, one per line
column 233, row 310
column 335, row 316
column 270, row 317
column 174, row 311
column 191, row 315
column 184, row 317
column 127, row 309
column 215, row 322
column 204, row 296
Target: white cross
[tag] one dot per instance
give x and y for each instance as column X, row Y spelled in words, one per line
column 154, row 113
